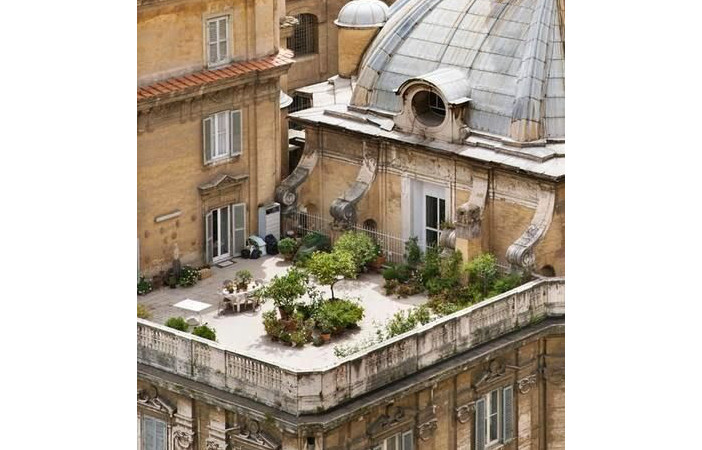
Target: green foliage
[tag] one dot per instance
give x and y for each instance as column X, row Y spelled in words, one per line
column 441, row 274
column 401, row 322
column 309, row 308
column 399, row 272
column 177, row 323
column 205, row 332
column 312, row 242
column 144, row 286
column 329, row 268
column 287, row 246
column 413, row 254
column 506, row 283
column 423, row 314
column 286, row 289
column 243, row 276
column 482, row 271
column 432, row 266
column 391, row 286
column 271, row 323
column 143, row 312
column 407, row 289
column 189, row 276
column 359, row 245
column 335, row 316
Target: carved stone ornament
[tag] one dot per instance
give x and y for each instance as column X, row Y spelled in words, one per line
column 213, row 445
column 427, row 421
column 343, row 208
column 182, row 439
column 251, row 433
column 524, row 385
column 521, row 252
column 463, row 412
column 393, row 414
column 149, row 398
column 470, row 214
column 286, row 192
column 495, row 368
column 426, row 429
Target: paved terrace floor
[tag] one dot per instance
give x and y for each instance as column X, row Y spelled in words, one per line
column 244, row 332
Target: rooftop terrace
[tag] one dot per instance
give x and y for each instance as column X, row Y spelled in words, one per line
column 247, row 364
column 244, row 333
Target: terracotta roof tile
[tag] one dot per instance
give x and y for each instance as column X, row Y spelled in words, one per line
column 205, row 77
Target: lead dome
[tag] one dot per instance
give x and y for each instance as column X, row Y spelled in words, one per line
column 363, row 14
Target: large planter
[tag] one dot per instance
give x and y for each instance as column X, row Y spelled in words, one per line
column 377, row 264
column 205, row 273
column 326, row 337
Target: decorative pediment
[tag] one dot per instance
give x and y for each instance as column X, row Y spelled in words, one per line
column 149, row 398
column 393, row 415
column 251, row 433
column 492, row 370
column 222, row 182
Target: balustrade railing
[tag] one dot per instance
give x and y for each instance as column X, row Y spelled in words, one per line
column 307, row 391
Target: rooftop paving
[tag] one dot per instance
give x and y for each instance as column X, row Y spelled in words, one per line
column 243, row 332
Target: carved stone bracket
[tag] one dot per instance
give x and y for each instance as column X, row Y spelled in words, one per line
column 524, row 385
column 463, row 412
column 393, row 414
column 183, row 439
column 521, row 252
column 426, row 429
column 286, row 192
column 343, row 209
column 470, row 214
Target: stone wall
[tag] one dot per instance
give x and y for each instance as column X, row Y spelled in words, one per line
column 171, row 34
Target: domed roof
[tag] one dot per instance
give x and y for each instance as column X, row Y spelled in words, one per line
column 511, row 51
column 363, row 14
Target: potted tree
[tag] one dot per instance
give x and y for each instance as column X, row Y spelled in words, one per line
column 287, row 247
column 243, row 278
column 285, row 291
column 330, row 268
column 325, row 329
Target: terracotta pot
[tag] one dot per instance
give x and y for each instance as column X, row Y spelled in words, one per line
column 326, row 337
column 205, row 273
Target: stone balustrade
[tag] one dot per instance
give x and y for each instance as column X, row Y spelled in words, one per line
column 305, row 391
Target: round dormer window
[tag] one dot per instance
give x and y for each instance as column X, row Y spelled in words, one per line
column 429, row 108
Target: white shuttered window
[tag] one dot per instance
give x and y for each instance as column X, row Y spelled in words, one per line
column 222, row 136
column 494, row 421
column 154, row 434
column 217, row 41
column 399, row 441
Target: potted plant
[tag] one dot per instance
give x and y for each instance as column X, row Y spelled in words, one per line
column 287, row 247
column 285, row 291
column 205, row 272
column 377, row 263
column 172, row 281
column 325, row 329
column 243, row 278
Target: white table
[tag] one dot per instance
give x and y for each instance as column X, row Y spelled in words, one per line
column 236, row 297
column 193, row 305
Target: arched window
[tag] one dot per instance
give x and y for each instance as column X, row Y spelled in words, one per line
column 304, row 38
column 548, row 271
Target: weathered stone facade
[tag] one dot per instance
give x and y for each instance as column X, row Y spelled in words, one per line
column 171, row 172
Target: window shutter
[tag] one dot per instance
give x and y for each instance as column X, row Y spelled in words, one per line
column 507, row 414
column 480, row 424
column 154, row 434
column 223, row 41
column 208, row 238
column 207, row 138
column 223, row 136
column 407, row 441
column 212, row 41
column 236, row 133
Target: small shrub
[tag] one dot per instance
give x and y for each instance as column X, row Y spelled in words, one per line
column 413, row 254
column 285, row 290
column 505, row 283
column 422, row 314
column 243, row 277
column 482, row 271
column 359, row 245
column 177, row 323
column 205, row 332
column 338, row 315
column 144, row 286
column 408, row 289
column 271, row 323
column 143, row 312
column 287, row 246
column 401, row 322
column 189, row 276
column 399, row 272
column 391, row 286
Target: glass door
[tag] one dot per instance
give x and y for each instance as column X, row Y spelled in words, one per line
column 435, row 213
column 219, row 234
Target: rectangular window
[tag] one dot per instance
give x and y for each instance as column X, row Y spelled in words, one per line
column 217, row 41
column 399, row 441
column 222, row 135
column 154, row 434
column 493, row 418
